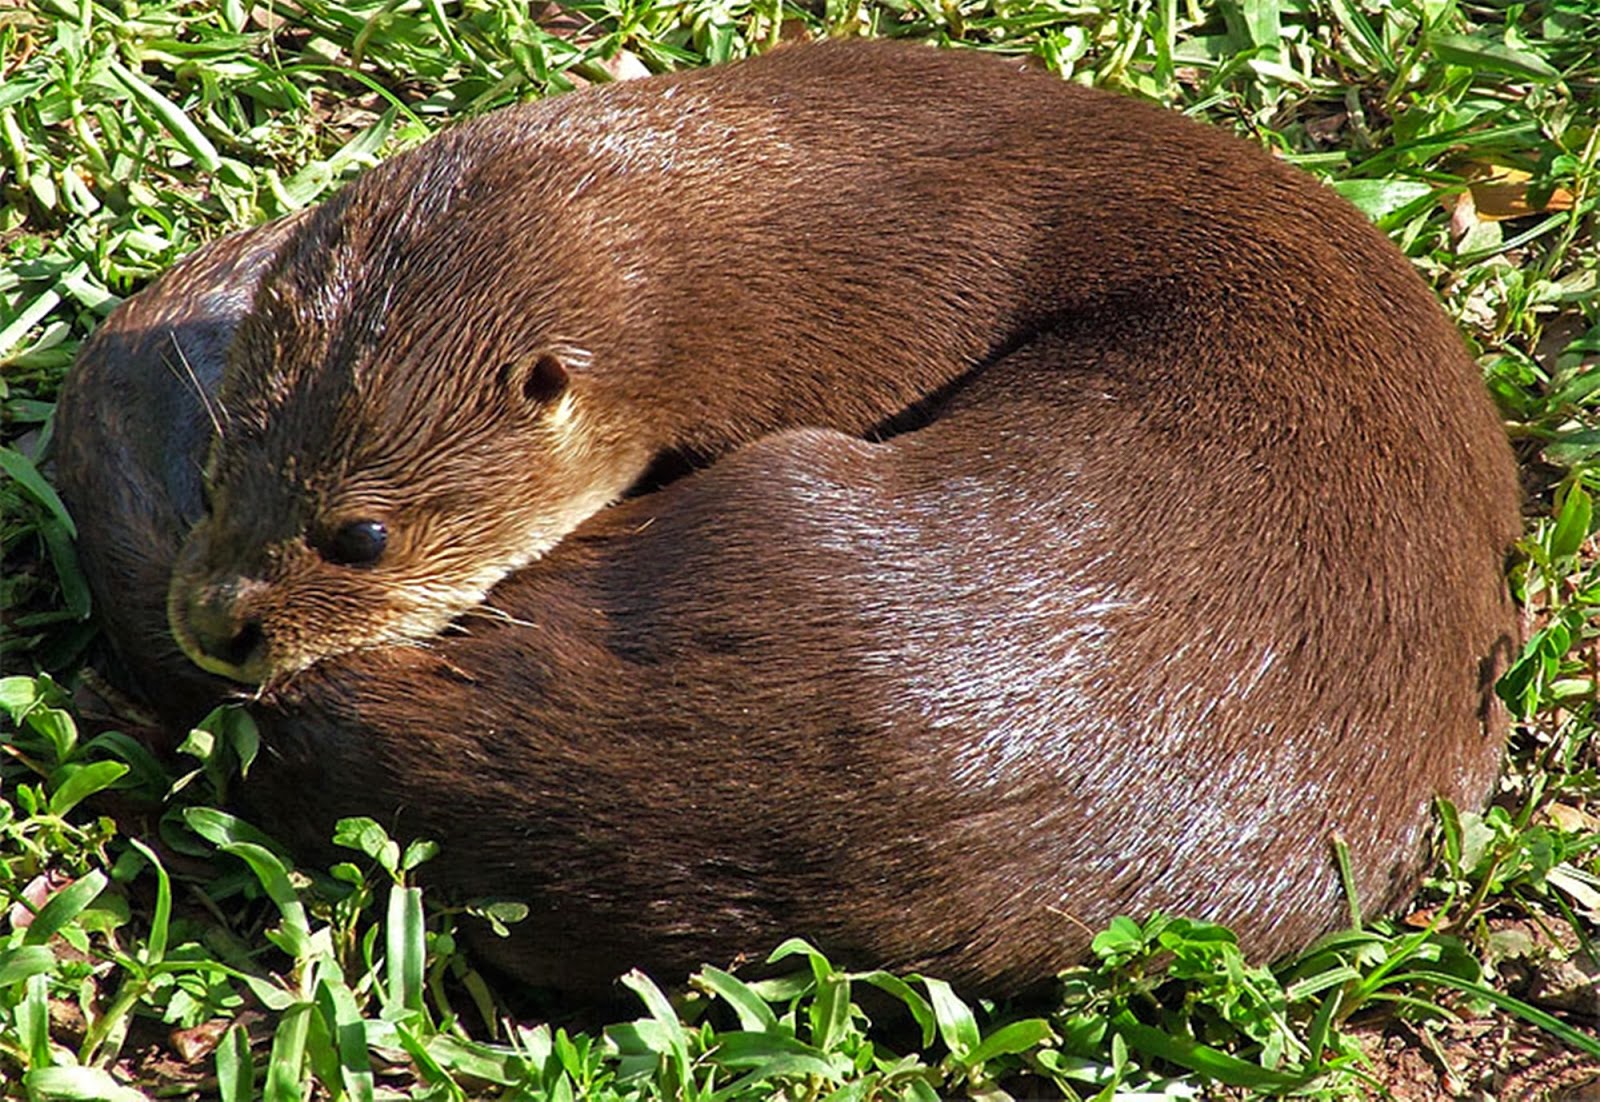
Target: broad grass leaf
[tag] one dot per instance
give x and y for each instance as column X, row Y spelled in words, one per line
column 775, row 1055
column 753, row 1012
column 1010, row 1039
column 222, row 829
column 431, row 1069
column 1586, row 380
column 23, row 961
column 160, row 919
column 24, row 321
column 15, row 91
column 659, row 1007
column 645, row 1037
column 342, row 1016
column 920, row 1008
column 1483, row 53
column 239, row 726
column 78, row 1085
column 664, row 1029
column 236, row 1070
column 286, row 1063
column 1379, row 199
column 784, row 989
column 799, row 946
column 147, row 771
column 79, row 782
column 406, row 943
column 171, row 117
column 1319, row 979
column 32, row 1017
column 64, row 559
column 63, row 907
column 642, row 1048
column 1204, row 1059
column 957, row 1027
column 1322, row 1026
column 274, row 877
column 322, row 1056
column 478, row 1061
column 1572, row 523
column 830, row 1011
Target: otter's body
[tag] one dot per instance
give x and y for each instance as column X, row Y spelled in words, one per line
column 1186, row 558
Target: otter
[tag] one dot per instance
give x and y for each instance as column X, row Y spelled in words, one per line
column 1082, row 514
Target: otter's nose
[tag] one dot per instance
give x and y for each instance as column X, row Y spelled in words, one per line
column 224, row 632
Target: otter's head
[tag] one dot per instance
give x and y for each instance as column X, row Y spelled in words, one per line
column 395, row 434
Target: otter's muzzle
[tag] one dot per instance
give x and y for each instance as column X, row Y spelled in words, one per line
column 217, row 628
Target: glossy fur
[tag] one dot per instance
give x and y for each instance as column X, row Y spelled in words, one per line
column 1188, row 559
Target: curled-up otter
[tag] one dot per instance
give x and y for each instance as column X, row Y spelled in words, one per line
column 1078, row 512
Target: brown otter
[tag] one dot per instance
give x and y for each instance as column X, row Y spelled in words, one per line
column 1189, row 559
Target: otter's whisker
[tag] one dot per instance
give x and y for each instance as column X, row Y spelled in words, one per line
column 193, row 380
column 499, row 615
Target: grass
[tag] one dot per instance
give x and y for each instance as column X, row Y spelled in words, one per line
column 155, row 944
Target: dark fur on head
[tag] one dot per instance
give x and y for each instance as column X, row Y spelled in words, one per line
column 1189, row 560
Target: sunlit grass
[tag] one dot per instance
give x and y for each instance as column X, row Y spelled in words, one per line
column 131, row 133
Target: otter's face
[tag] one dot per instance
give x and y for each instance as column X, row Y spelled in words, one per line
column 408, row 412
column 341, row 519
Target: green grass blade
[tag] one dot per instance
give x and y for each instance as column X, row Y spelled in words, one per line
column 1010, row 1039
column 1481, row 53
column 406, row 942
column 171, row 116
column 221, row 829
column 830, row 1011
column 236, row 1070
column 1204, row 1059
column 32, row 1016
column 286, row 1064
column 82, row 781
column 274, row 878
column 78, row 1085
column 156, row 943
column 66, row 905
column 431, row 1069
column 343, row 1016
column 753, row 1012
column 1573, row 1038
column 957, row 1026
column 668, row 1029
column 22, row 471
column 23, row 961
column 921, row 1010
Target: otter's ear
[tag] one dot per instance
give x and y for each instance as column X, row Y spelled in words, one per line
column 537, row 379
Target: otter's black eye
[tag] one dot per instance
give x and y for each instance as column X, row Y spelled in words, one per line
column 358, row 543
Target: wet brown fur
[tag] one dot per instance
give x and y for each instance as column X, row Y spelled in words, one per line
column 1196, row 563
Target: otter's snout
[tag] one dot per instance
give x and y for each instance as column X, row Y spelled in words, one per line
column 215, row 615
column 219, row 631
